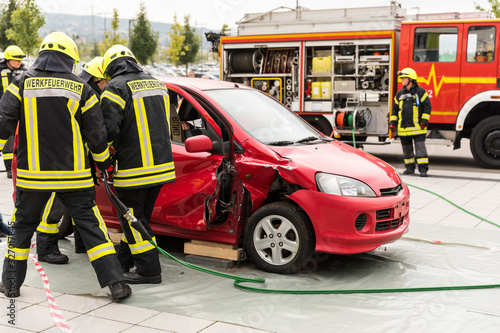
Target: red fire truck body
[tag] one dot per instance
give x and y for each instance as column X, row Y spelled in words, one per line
column 338, row 69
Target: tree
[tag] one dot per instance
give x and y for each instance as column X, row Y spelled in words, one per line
column 191, row 44
column 112, row 37
column 5, row 22
column 176, row 48
column 143, row 40
column 495, row 7
column 224, row 29
column 26, row 20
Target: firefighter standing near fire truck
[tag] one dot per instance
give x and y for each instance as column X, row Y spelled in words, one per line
column 47, row 233
column 410, row 116
column 58, row 115
column 136, row 110
column 10, row 66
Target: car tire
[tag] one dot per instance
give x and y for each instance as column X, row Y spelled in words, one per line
column 485, row 142
column 279, row 238
column 65, row 225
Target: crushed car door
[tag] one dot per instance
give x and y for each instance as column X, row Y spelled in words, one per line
column 183, row 203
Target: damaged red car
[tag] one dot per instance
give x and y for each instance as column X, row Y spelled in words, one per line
column 252, row 173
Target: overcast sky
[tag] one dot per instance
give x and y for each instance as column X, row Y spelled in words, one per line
column 214, row 13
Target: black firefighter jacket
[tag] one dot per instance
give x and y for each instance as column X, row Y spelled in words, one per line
column 411, row 108
column 135, row 107
column 58, row 114
column 7, row 74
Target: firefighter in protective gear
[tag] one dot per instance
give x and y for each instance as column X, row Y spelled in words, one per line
column 47, row 233
column 58, row 116
column 10, row 67
column 135, row 107
column 411, row 113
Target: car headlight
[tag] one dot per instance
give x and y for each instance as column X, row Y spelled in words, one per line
column 346, row 186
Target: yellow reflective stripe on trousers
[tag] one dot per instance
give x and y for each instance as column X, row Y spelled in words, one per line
column 17, row 253
column 104, row 249
column 424, row 160
column 141, row 247
column 44, row 226
column 31, row 116
column 100, row 251
column 143, row 132
column 409, row 160
column 138, row 245
column 102, row 225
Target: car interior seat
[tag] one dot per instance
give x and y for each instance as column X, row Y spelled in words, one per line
column 187, row 112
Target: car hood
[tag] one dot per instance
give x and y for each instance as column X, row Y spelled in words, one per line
column 339, row 159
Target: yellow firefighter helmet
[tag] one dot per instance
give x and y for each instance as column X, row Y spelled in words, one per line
column 60, row 42
column 116, row 52
column 408, row 72
column 94, row 67
column 13, row 52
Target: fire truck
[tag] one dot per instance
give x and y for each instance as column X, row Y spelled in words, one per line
column 337, row 68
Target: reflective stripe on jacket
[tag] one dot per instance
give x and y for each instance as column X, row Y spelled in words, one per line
column 6, row 75
column 136, row 110
column 411, row 108
column 58, row 114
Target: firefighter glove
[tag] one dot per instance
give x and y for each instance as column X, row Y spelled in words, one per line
column 393, row 128
column 424, row 125
column 104, row 164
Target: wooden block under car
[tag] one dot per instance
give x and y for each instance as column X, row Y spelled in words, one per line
column 213, row 250
column 115, row 235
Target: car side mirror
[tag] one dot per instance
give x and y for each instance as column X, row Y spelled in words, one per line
column 198, row 144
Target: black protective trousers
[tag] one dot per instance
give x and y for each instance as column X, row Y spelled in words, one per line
column 80, row 204
column 419, row 157
column 47, row 233
column 133, row 249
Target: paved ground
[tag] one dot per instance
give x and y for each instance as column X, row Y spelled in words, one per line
column 476, row 191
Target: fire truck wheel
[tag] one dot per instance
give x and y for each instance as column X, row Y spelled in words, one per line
column 279, row 238
column 65, row 226
column 485, row 142
column 320, row 123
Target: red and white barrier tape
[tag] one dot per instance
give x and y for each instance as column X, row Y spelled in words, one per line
column 54, row 309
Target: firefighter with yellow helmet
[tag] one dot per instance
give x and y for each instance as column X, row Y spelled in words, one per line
column 58, row 115
column 47, row 233
column 10, row 66
column 410, row 116
column 136, row 110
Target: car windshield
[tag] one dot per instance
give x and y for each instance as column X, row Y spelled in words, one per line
column 264, row 118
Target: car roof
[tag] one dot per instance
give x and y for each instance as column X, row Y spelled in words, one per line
column 199, row 84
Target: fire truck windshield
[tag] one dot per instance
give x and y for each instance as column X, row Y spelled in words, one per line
column 263, row 117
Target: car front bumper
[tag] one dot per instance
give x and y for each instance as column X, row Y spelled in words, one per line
column 334, row 220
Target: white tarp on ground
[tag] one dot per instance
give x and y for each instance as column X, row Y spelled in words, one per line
column 469, row 257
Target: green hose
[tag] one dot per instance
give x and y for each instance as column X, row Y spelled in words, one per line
column 238, row 280
column 453, row 204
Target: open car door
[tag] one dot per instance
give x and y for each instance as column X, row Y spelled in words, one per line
column 207, row 187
